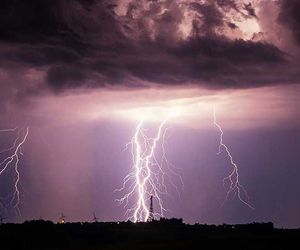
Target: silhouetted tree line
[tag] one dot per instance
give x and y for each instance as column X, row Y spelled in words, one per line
column 162, row 234
column 255, row 227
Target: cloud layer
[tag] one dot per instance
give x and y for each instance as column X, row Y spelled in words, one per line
column 133, row 44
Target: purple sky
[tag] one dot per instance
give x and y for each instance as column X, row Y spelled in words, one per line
column 81, row 74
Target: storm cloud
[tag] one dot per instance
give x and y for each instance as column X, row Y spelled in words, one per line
column 80, row 44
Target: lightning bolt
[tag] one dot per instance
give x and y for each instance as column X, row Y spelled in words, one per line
column 233, row 178
column 148, row 177
column 12, row 161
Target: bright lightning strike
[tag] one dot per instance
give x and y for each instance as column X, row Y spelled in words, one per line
column 148, row 177
column 235, row 187
column 12, row 161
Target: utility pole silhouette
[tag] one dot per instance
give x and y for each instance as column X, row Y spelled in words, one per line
column 151, row 212
column 95, row 219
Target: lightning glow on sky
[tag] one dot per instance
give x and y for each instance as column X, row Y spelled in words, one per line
column 152, row 173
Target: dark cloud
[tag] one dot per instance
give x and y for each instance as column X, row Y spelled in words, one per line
column 30, row 20
column 227, row 4
column 232, row 25
column 62, row 77
column 289, row 16
column 210, row 18
column 87, row 44
column 250, row 10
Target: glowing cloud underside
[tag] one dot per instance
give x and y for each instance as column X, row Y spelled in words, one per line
column 12, row 162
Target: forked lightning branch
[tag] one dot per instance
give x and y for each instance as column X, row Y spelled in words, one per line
column 11, row 161
column 149, row 175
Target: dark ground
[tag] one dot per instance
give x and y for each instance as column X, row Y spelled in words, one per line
column 164, row 234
